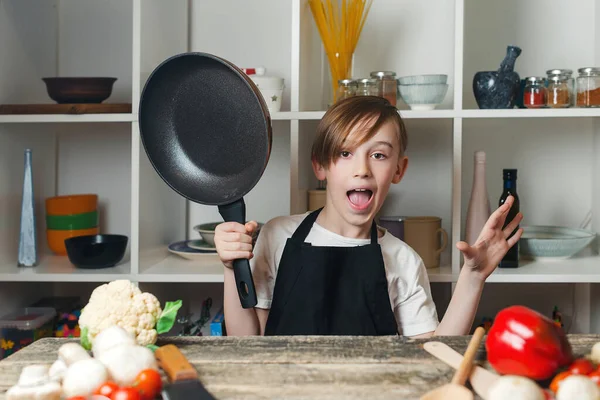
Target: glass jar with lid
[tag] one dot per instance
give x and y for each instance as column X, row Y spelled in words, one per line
column 387, row 85
column 560, row 88
column 588, row 87
column 367, row 87
column 346, row 88
column 534, row 94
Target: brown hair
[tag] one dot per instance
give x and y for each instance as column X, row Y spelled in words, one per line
column 365, row 113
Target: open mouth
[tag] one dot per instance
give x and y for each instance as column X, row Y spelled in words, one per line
column 360, row 198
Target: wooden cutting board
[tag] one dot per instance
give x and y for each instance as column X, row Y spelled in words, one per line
column 116, row 108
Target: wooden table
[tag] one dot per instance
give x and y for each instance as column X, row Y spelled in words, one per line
column 300, row 367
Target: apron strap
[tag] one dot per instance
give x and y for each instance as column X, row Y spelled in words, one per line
column 306, row 225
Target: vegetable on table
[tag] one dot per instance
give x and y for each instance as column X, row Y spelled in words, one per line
column 122, row 303
column 524, row 342
column 578, row 387
column 83, row 377
column 35, row 383
column 514, row 387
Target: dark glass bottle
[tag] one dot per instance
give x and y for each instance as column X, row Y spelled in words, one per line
column 511, row 259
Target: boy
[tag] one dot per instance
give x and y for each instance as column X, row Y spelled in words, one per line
column 333, row 271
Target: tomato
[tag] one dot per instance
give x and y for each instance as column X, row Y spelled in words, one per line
column 126, row 393
column 558, row 379
column 107, row 389
column 581, row 366
column 595, row 376
column 149, row 383
column 77, row 398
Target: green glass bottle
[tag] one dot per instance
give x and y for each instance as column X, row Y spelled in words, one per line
column 511, row 259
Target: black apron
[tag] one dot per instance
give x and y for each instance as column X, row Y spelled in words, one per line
column 330, row 290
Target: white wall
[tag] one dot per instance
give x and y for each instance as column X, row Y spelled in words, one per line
column 28, row 53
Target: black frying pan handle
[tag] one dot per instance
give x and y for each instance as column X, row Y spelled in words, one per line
column 236, row 212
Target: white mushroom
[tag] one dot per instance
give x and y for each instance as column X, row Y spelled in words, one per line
column 595, row 356
column 515, row 387
column 72, row 352
column 578, row 387
column 111, row 337
column 34, row 383
column 125, row 362
column 47, row 391
column 83, row 377
column 57, row 370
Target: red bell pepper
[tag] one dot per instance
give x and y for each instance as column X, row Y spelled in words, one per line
column 524, row 342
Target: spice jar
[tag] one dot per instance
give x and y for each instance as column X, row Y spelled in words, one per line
column 560, row 88
column 367, row 87
column 588, row 87
column 346, row 88
column 386, row 85
column 534, row 94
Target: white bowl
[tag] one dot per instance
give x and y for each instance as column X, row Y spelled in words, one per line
column 423, row 96
column 553, row 242
column 423, row 79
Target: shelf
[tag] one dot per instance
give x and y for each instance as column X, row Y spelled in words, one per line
column 467, row 114
column 172, row 268
column 531, row 113
column 55, row 118
column 574, row 270
column 59, row 269
column 316, row 115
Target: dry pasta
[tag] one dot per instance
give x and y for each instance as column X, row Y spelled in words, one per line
column 340, row 23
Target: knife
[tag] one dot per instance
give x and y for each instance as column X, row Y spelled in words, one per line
column 183, row 377
column 481, row 379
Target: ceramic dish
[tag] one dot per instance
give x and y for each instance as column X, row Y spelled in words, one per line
column 207, row 231
column 553, row 242
column 201, row 245
column 183, row 250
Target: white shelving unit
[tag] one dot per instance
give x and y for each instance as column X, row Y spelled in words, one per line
column 557, row 151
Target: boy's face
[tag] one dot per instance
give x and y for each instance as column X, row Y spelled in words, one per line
column 359, row 181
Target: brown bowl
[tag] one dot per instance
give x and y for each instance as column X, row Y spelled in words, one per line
column 79, row 90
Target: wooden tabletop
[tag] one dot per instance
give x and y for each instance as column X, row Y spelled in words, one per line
column 300, row 367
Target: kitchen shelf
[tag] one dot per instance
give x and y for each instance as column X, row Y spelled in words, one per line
column 532, row 113
column 408, row 114
column 465, row 114
column 53, row 268
column 59, row 118
column 573, row 270
column 172, row 268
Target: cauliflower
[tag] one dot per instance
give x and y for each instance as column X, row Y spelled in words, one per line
column 123, row 304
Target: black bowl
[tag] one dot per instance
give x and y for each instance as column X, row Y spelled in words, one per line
column 96, row 251
column 79, row 90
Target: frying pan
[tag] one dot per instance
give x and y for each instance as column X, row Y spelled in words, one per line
column 207, row 132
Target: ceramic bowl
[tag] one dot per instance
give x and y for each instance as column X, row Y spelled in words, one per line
column 207, row 231
column 423, row 96
column 423, row 79
column 73, row 221
column 96, row 251
column 79, row 90
column 553, row 242
column 71, row 204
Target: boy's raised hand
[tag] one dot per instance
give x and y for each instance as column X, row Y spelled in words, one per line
column 492, row 244
column 234, row 240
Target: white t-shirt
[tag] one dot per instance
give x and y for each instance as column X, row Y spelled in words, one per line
column 408, row 283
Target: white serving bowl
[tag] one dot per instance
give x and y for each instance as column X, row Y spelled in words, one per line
column 423, row 79
column 423, row 96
